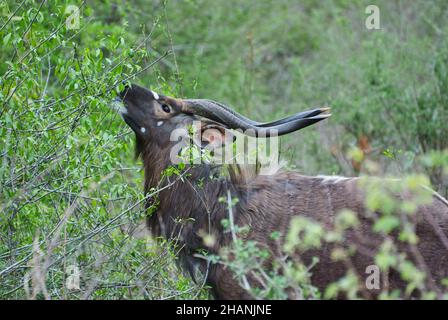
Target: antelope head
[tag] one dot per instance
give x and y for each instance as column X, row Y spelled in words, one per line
column 153, row 117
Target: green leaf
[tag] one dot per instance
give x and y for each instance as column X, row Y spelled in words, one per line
column 386, row 224
column 6, row 39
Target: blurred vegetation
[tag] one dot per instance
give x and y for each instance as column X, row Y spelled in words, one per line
column 71, row 192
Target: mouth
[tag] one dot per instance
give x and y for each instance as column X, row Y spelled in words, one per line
column 118, row 106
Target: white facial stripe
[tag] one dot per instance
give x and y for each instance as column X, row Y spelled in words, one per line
column 155, row 95
column 159, row 123
column 143, row 129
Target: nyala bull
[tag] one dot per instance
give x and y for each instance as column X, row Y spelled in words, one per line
column 189, row 208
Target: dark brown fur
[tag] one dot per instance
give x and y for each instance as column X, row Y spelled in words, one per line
column 190, row 208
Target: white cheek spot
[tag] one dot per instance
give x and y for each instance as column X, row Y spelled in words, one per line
column 143, row 129
column 159, row 123
column 155, row 95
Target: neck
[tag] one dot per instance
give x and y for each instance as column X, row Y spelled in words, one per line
column 186, row 202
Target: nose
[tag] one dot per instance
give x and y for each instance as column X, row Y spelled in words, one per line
column 125, row 92
column 135, row 94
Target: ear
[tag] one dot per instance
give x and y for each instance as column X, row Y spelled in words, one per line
column 215, row 136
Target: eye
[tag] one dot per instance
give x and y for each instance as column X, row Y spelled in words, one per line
column 166, row 108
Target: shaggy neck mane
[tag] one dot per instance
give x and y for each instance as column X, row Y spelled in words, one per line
column 199, row 215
